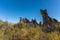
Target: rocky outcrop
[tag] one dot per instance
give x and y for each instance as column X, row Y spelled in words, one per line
column 25, row 20
column 48, row 22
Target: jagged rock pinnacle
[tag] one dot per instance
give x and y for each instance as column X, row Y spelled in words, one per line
column 48, row 22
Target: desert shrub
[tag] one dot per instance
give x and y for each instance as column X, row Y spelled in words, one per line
column 20, row 31
column 53, row 36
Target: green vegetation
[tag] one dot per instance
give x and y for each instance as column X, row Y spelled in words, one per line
column 21, row 31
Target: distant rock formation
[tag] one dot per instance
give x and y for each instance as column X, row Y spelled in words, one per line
column 25, row 20
column 48, row 22
column 32, row 23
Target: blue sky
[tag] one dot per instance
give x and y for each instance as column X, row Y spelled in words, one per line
column 11, row 10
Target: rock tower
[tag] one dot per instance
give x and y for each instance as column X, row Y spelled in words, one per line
column 48, row 22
